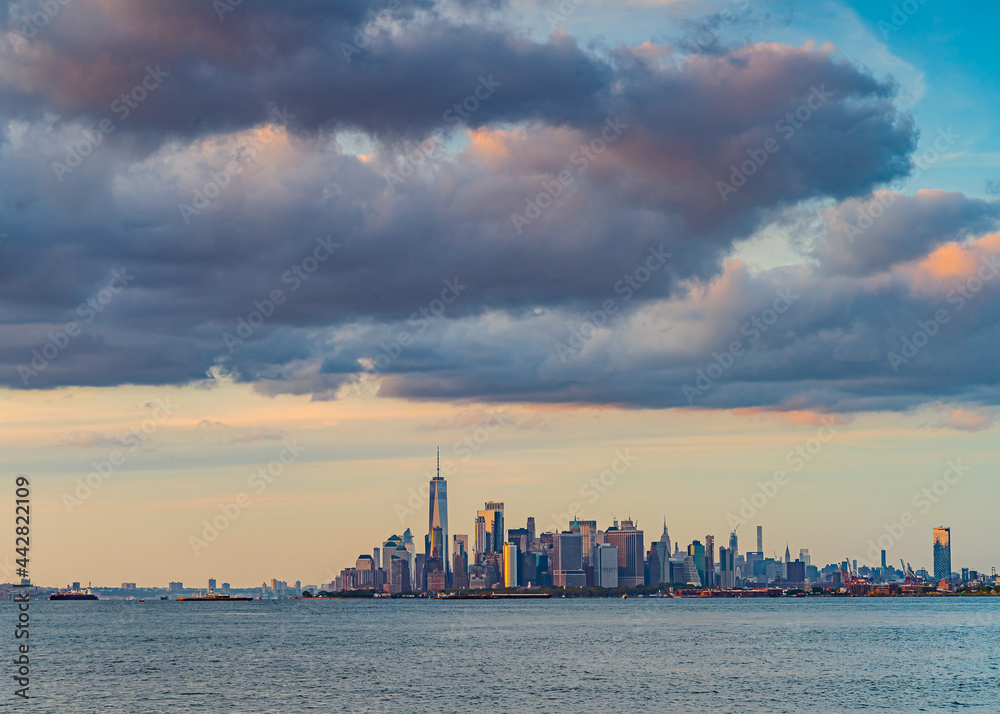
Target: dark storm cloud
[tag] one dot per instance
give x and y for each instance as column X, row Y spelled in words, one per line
column 314, row 58
column 834, row 344
column 645, row 145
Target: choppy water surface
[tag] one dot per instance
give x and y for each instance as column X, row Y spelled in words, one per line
column 559, row 655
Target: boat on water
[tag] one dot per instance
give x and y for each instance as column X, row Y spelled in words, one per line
column 213, row 597
column 73, row 595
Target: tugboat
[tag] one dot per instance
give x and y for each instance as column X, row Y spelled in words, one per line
column 74, row 595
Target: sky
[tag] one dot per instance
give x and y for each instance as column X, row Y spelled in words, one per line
column 718, row 264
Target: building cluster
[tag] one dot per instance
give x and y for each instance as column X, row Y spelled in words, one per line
column 583, row 555
column 276, row 589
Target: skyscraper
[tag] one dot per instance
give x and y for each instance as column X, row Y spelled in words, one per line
column 460, row 562
column 628, row 540
column 510, row 560
column 394, row 548
column 521, row 538
column 697, row 552
column 364, row 562
column 734, row 544
column 399, row 575
column 460, row 542
column 567, row 561
column 437, row 543
column 498, row 529
column 690, row 573
column 942, row 553
column 709, row 561
column 605, row 566
column 654, row 565
column 411, row 554
column 727, row 567
column 484, row 535
column 489, row 529
column 760, row 539
column 796, row 574
column 438, row 518
column 665, row 539
column 659, row 559
column 588, row 529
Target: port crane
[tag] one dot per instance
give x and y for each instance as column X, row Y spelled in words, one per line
column 847, row 576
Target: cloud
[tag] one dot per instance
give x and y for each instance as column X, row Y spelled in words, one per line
column 622, row 152
column 197, row 278
column 246, row 436
column 311, row 57
column 800, row 418
column 234, row 435
column 470, row 418
column 871, row 234
column 830, row 351
column 88, row 439
column 964, row 419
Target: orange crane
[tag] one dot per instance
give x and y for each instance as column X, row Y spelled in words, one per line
column 850, row 578
column 846, row 576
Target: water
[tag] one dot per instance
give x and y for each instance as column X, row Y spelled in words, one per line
column 559, row 655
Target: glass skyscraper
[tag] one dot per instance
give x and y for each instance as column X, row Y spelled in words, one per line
column 942, row 553
column 697, row 551
column 438, row 518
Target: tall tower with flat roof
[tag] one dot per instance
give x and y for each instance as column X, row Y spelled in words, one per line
column 942, row 553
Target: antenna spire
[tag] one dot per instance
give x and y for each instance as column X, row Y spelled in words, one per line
column 439, row 462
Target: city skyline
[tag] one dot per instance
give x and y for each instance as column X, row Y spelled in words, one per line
column 532, row 301
column 771, row 438
column 701, row 553
column 626, row 539
column 584, row 555
column 754, row 248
